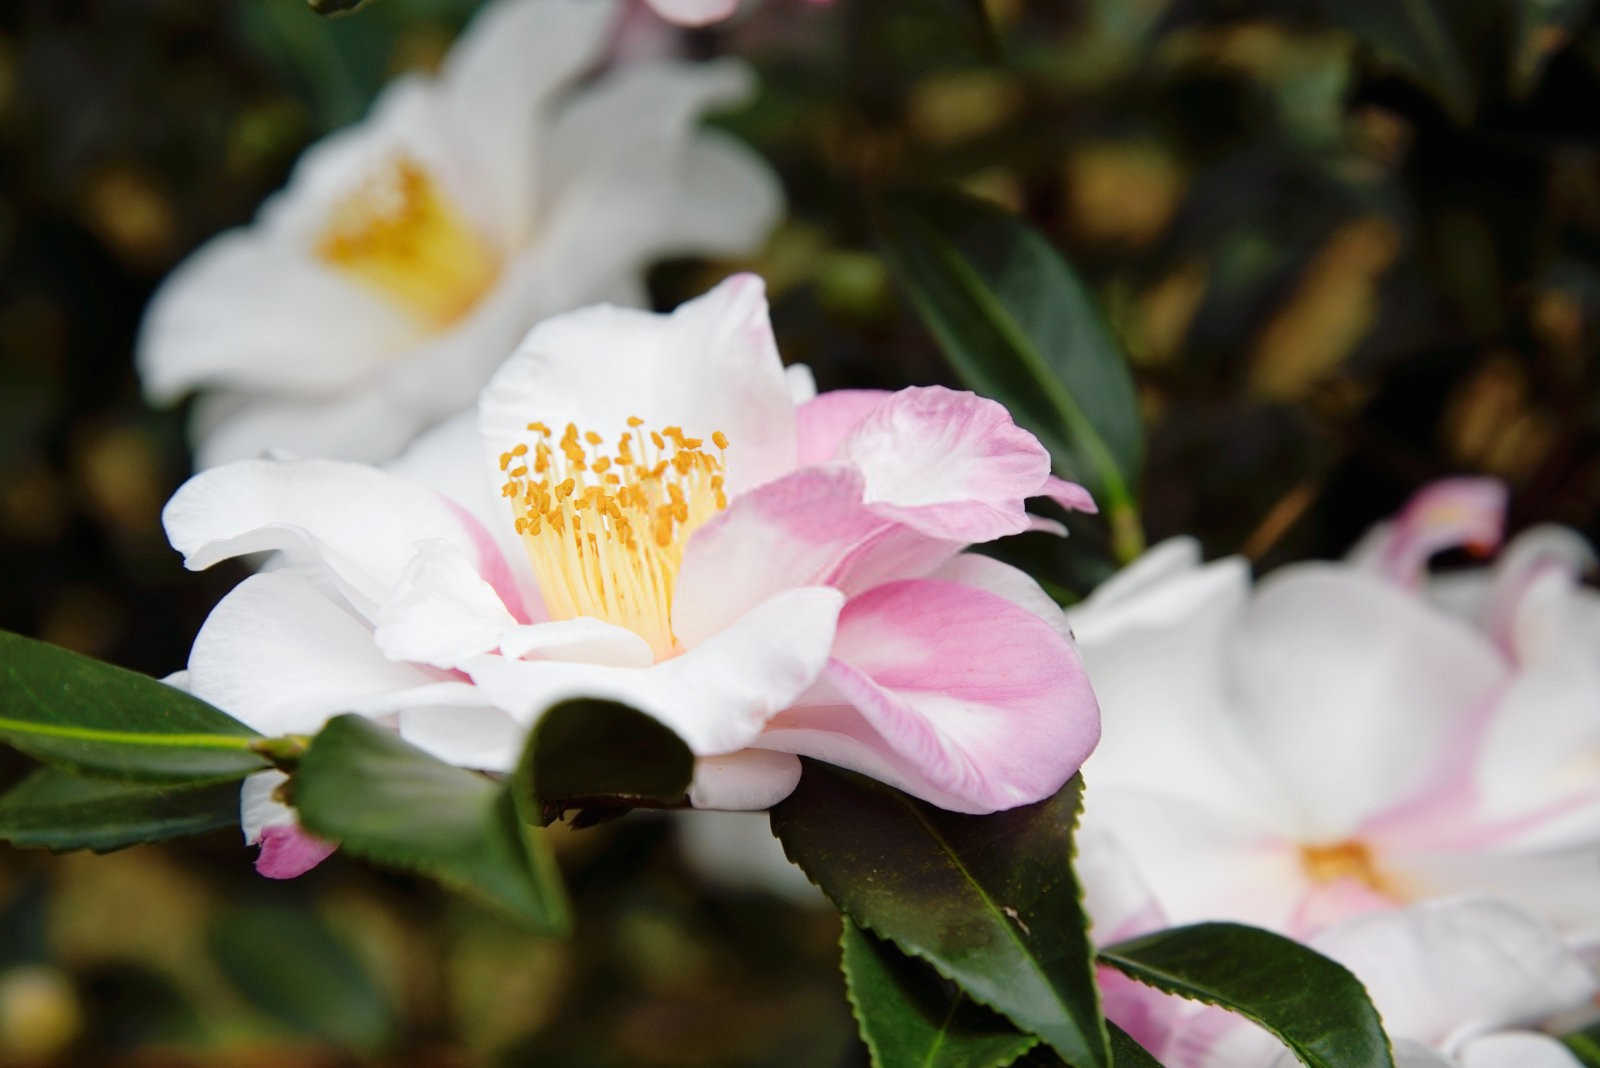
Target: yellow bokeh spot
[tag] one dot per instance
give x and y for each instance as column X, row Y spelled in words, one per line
column 1350, row 859
column 605, row 529
column 399, row 235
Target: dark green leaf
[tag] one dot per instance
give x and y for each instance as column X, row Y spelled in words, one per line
column 293, row 968
column 1411, row 36
column 1313, row 1004
column 1585, row 1045
column 1017, row 325
column 52, row 809
column 1125, row 1053
column 989, row 901
column 91, row 717
column 908, row 1015
column 588, row 753
column 389, row 802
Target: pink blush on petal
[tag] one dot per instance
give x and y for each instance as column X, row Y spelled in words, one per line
column 287, row 852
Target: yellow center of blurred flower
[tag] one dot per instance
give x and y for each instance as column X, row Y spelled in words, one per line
column 1350, row 859
column 400, row 236
column 605, row 529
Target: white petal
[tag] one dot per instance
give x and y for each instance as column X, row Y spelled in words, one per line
column 1154, row 567
column 802, row 383
column 1200, row 864
column 748, row 779
column 589, row 641
column 1523, row 1049
column 1352, row 689
column 1444, row 970
column 626, row 165
column 716, row 696
column 468, row 737
column 711, row 365
column 252, row 311
column 279, row 655
column 258, row 809
column 441, row 612
column 1169, row 719
column 505, row 67
column 360, row 523
column 694, row 12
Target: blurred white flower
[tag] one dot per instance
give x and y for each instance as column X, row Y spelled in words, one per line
column 375, row 294
column 1349, row 737
column 701, row 12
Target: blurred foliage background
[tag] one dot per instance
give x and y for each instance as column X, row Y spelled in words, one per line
column 1348, row 245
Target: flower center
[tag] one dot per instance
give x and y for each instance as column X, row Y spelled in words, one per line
column 1350, row 859
column 605, row 530
column 399, row 235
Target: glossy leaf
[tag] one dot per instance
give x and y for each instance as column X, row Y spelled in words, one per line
column 1017, row 325
column 293, row 968
column 1313, row 1004
column 53, row 809
column 602, row 755
column 908, row 1015
column 989, row 901
column 94, row 718
column 386, row 801
column 1125, row 1053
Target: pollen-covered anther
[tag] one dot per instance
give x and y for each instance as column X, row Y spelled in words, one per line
column 604, row 530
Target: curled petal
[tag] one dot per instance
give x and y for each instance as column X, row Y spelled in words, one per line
column 1447, row 514
column 949, row 693
column 948, row 464
column 748, row 779
column 287, row 851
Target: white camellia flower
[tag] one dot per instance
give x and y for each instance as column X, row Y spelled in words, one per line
column 1350, row 737
column 375, row 294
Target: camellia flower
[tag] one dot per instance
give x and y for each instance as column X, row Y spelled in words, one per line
column 644, row 513
column 1352, row 737
column 1461, row 982
column 376, row 294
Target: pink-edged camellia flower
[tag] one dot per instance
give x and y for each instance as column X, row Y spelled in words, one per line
column 377, row 292
column 643, row 512
column 1349, row 737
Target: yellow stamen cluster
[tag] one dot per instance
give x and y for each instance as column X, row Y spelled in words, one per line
column 398, row 234
column 1350, row 859
column 605, row 529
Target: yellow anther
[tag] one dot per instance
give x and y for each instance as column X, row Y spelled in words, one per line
column 505, row 460
column 592, row 438
column 519, row 471
column 719, row 439
column 519, row 449
column 635, row 422
column 539, row 428
column 691, row 443
column 601, row 465
column 564, row 490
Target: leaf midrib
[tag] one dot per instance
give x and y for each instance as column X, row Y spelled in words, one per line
column 983, row 895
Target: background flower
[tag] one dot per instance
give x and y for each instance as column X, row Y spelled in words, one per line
column 408, row 253
column 1334, row 741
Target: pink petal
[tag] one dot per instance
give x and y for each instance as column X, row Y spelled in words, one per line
column 952, row 694
column 949, row 464
column 1447, row 514
column 823, row 423
column 287, row 852
column 1069, row 495
column 809, row 528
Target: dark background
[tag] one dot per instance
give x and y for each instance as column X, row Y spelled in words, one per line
column 1349, row 246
